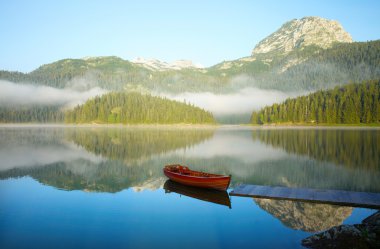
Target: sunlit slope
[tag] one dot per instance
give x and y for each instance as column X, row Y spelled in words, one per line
column 309, row 68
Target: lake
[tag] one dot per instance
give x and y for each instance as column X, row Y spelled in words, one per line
column 97, row 187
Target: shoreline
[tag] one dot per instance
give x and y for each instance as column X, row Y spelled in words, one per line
column 193, row 126
column 316, row 127
column 148, row 126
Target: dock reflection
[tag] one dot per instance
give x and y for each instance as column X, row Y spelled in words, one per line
column 209, row 195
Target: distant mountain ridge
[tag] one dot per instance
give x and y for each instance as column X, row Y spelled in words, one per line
column 308, row 54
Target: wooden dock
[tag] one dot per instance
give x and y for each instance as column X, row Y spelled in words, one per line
column 336, row 197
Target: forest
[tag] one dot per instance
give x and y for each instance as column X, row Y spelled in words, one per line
column 349, row 104
column 136, row 108
column 31, row 114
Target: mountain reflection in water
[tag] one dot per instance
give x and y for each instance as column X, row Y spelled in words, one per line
column 133, row 146
column 118, row 164
column 113, row 159
column 98, row 159
column 305, row 216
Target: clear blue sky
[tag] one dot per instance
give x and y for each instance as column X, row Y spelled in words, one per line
column 36, row 32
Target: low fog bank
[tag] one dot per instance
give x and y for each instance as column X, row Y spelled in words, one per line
column 239, row 103
column 12, row 94
column 228, row 108
column 243, row 118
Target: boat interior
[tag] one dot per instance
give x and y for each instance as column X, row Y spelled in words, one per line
column 183, row 170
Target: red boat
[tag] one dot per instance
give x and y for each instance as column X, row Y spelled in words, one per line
column 184, row 175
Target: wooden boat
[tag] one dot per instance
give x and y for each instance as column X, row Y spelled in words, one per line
column 204, row 194
column 184, row 175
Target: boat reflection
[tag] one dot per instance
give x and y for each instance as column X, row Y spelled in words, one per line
column 210, row 195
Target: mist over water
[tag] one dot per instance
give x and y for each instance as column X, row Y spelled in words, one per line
column 234, row 107
column 13, row 94
column 244, row 97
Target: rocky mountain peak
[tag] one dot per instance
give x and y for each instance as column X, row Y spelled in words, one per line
column 299, row 33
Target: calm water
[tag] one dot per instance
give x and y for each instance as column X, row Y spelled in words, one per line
column 104, row 187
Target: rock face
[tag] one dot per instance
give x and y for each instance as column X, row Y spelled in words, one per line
column 301, row 33
column 308, row 217
column 364, row 235
column 150, row 184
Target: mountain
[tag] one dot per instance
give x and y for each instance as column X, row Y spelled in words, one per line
column 295, row 42
column 308, row 54
column 298, row 34
column 311, row 68
column 304, row 55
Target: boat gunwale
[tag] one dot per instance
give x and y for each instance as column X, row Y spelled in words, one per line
column 212, row 176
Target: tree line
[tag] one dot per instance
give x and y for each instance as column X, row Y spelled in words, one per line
column 350, row 104
column 31, row 114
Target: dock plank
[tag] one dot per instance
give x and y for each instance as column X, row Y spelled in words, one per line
column 336, row 197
